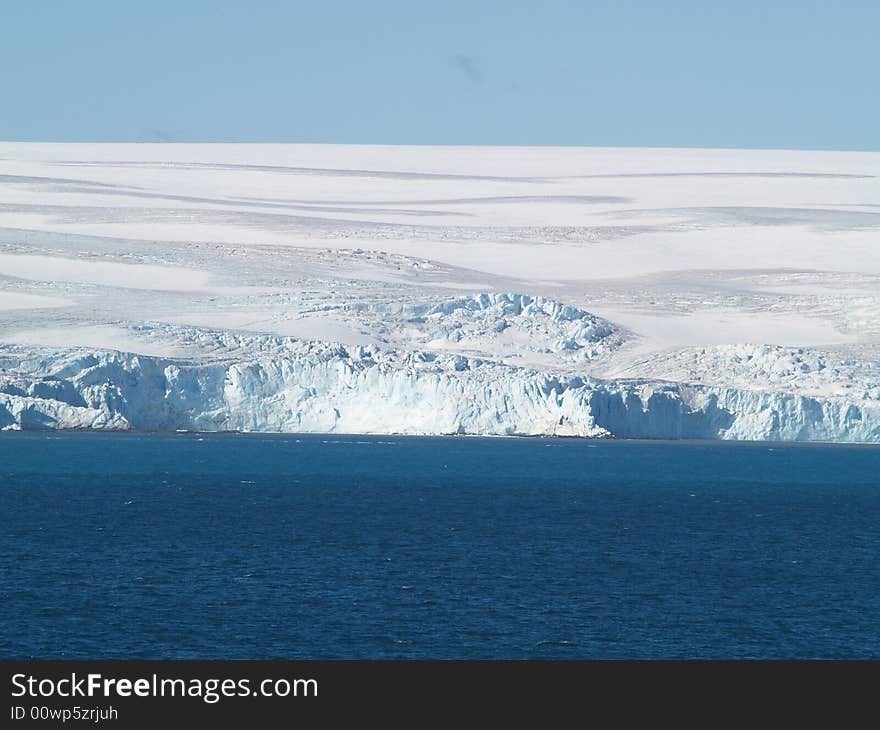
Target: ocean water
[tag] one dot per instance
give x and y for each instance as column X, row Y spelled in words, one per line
column 251, row 546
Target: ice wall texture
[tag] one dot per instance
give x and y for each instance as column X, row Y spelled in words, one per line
column 327, row 389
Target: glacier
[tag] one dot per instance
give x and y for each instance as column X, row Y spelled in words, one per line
column 703, row 294
column 320, row 388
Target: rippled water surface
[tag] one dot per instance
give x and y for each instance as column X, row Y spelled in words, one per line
column 247, row 546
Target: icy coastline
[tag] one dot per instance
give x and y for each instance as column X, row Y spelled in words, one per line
column 317, row 388
column 629, row 293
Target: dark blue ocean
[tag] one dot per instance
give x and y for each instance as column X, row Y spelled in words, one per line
column 249, row 546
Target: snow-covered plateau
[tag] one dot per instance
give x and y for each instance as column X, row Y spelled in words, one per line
column 589, row 292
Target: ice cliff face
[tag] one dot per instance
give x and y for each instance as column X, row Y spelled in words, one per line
column 312, row 387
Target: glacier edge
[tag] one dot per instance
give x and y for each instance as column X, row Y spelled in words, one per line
column 323, row 388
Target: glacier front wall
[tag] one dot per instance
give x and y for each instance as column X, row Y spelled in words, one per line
column 330, row 389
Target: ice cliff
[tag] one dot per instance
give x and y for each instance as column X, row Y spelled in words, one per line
column 296, row 386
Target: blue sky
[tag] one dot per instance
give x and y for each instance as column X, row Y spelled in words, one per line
column 675, row 73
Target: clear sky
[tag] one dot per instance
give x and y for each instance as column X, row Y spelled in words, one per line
column 709, row 73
